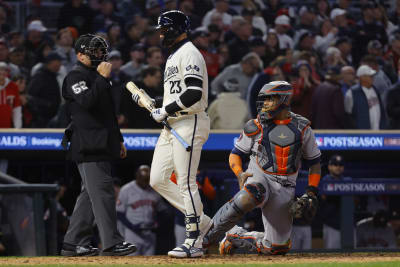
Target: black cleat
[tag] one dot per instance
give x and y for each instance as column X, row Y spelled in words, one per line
column 78, row 251
column 121, row 249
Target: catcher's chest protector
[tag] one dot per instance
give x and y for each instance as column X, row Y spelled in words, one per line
column 279, row 150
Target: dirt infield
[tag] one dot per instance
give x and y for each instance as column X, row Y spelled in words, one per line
column 209, row 259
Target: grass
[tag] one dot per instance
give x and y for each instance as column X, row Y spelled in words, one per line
column 364, row 264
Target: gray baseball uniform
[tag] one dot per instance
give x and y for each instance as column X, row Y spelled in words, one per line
column 275, row 155
column 136, row 209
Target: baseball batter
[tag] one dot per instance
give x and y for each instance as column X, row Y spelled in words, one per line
column 276, row 142
column 184, row 104
column 137, row 206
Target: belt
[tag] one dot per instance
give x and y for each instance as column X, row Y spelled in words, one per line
column 182, row 113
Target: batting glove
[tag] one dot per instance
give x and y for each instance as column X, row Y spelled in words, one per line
column 159, row 114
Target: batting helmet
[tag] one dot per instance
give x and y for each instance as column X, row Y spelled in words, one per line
column 282, row 89
column 94, row 46
column 172, row 24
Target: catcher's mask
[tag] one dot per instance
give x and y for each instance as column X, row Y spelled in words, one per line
column 172, row 24
column 273, row 98
column 94, row 46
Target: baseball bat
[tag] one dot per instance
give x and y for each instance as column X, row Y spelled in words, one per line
column 149, row 105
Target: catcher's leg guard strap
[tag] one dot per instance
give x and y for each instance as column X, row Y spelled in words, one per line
column 230, row 213
column 275, row 249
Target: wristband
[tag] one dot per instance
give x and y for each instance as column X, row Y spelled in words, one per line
column 313, row 179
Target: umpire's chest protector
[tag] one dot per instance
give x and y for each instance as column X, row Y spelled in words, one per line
column 279, row 148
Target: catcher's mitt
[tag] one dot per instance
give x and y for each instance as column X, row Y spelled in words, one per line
column 305, row 207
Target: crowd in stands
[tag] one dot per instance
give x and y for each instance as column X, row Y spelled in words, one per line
column 342, row 57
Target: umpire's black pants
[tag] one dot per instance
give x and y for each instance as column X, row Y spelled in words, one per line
column 96, row 203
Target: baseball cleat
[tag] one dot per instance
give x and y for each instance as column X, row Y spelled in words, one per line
column 78, row 251
column 121, row 249
column 225, row 246
column 186, row 251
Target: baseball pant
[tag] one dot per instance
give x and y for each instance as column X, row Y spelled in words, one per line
column 275, row 207
column 145, row 241
column 95, row 204
column 301, row 237
column 332, row 237
column 170, row 155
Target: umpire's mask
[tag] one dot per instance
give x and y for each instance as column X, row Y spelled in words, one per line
column 94, row 46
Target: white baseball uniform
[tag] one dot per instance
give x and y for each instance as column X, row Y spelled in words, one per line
column 192, row 124
column 138, row 207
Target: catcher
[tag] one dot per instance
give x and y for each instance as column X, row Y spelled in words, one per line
column 276, row 142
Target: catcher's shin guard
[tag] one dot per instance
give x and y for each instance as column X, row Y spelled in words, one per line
column 230, row 213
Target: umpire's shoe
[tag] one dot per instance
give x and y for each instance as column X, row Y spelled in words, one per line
column 77, row 251
column 121, row 249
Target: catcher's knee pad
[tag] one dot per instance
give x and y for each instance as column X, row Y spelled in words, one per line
column 256, row 191
column 274, row 249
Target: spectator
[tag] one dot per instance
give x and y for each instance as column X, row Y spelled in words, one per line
column 10, row 104
column 348, row 78
column 64, row 48
column 393, row 105
column 118, row 80
column 215, row 37
column 363, row 103
column 200, row 38
column 272, row 49
column 5, row 56
column 133, row 33
column 375, row 49
column 258, row 46
column 187, row 7
column 367, row 29
column 239, row 46
column 328, row 103
column 44, row 92
column 243, row 72
column 344, row 44
column 114, row 35
column 257, row 22
column 228, row 111
column 26, row 115
column 339, row 20
column 327, row 36
column 330, row 205
column 306, row 41
column 153, row 10
column 381, row 16
column 382, row 82
column 5, row 27
column 137, row 207
column 393, row 54
column 375, row 232
column 15, row 38
column 151, row 37
column 270, row 10
column 221, row 8
column 75, row 13
column 34, row 42
column 282, row 26
column 133, row 68
column 306, row 20
column 322, row 11
column 154, row 57
column 303, row 90
column 135, row 116
column 333, row 59
column 107, row 17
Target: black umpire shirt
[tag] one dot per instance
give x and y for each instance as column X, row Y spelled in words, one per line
column 94, row 133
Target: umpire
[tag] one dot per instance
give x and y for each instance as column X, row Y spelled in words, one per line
column 95, row 140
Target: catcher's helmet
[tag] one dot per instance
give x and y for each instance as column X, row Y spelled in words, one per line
column 172, row 24
column 94, row 46
column 282, row 89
